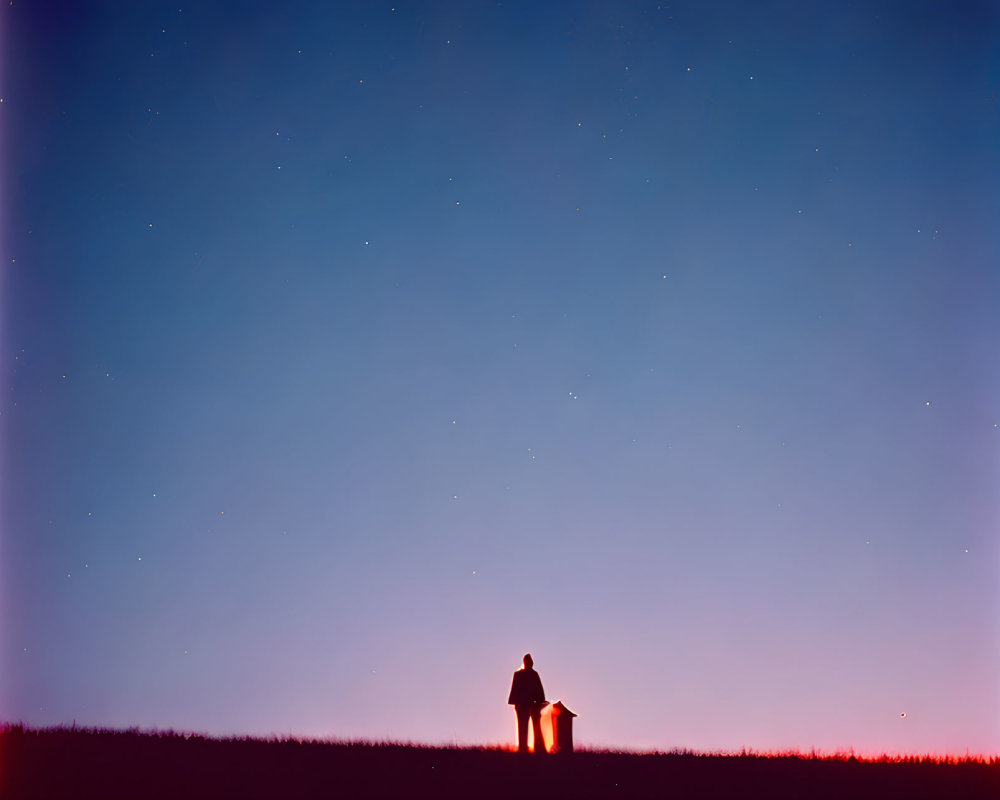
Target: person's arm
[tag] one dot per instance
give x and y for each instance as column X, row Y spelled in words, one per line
column 513, row 689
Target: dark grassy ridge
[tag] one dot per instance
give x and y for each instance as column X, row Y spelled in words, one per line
column 73, row 763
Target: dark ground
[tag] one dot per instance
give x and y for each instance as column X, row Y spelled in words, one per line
column 67, row 763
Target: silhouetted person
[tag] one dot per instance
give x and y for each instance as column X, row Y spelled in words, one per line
column 528, row 698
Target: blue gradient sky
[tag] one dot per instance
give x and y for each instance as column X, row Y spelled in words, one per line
column 353, row 350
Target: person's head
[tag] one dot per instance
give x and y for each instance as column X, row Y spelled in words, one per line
column 528, row 661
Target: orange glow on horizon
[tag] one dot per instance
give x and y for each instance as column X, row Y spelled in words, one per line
column 548, row 735
column 512, row 747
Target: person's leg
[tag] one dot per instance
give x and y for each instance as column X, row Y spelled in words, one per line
column 522, row 728
column 536, row 728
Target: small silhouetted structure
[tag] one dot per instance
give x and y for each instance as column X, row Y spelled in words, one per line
column 557, row 728
column 528, row 697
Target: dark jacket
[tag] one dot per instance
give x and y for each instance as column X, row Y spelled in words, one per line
column 526, row 688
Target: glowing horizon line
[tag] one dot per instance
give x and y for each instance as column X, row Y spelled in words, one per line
column 865, row 756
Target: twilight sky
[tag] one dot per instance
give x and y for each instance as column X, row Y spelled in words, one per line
column 352, row 350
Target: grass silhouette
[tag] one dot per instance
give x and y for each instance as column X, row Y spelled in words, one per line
column 97, row 763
